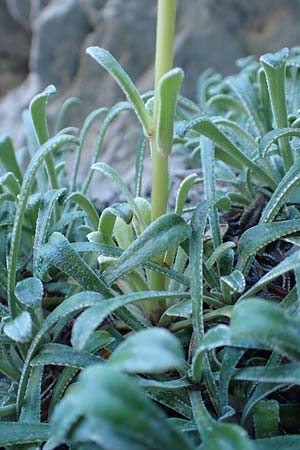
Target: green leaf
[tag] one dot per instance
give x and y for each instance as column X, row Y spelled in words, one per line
column 227, row 437
column 196, row 260
column 283, row 374
column 264, row 97
column 9, row 371
column 272, row 136
column 188, row 104
column 238, row 133
column 37, row 110
column 183, row 191
column 68, row 218
column 168, row 385
column 38, row 113
column 219, row 252
column 20, row 328
column 70, row 306
column 144, row 207
column 198, row 223
column 180, row 309
column 33, row 146
column 31, row 409
column 110, row 117
column 62, row 355
column 168, row 89
column 107, row 250
column 269, row 324
column 165, row 232
column 154, row 350
column 109, row 63
column 43, row 223
column 29, row 178
column 99, row 339
column 290, row 263
column 289, row 442
column 206, row 127
column 107, row 224
column 235, row 281
column 8, row 157
column 171, row 401
column 87, row 124
column 226, row 101
column 8, row 410
column 257, row 237
column 218, row 336
column 60, row 253
column 288, row 182
column 266, row 418
column 86, row 205
column 274, row 66
column 11, row 183
column 245, row 92
column 120, row 413
column 29, row 292
column 275, row 60
column 16, row 433
column 260, row 392
column 139, row 168
column 111, row 173
column 88, row 321
column 208, row 166
column 63, row 111
column 230, row 359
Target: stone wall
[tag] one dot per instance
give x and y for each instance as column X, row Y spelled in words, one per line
column 44, row 41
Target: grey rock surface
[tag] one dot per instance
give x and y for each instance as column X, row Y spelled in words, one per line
column 44, row 41
column 14, row 51
column 20, row 10
column 58, row 33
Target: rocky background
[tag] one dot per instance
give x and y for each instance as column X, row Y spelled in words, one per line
column 44, row 41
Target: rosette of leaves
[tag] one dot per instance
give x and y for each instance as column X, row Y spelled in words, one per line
column 220, row 368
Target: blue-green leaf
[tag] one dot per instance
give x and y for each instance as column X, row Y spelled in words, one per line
column 268, row 323
column 109, row 63
column 20, row 328
column 165, row 232
column 153, row 350
column 30, row 291
column 88, row 321
column 120, row 413
column 63, row 355
column 60, row 253
column 169, row 86
column 16, row 433
column 8, row 157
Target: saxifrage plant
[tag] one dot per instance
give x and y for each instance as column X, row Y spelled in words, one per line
column 160, row 304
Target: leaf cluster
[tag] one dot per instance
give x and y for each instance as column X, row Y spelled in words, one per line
column 91, row 357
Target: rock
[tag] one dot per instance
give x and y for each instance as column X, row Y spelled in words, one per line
column 260, row 26
column 14, row 51
column 57, row 39
column 20, row 11
column 36, row 8
column 12, row 106
column 209, row 33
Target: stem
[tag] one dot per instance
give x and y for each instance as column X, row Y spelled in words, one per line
column 166, row 15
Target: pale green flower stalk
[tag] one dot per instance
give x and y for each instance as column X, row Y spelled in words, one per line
column 166, row 16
